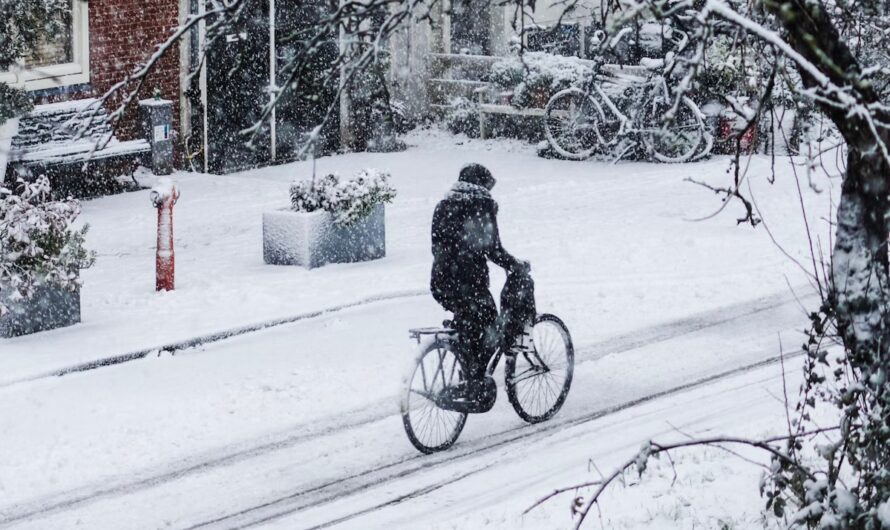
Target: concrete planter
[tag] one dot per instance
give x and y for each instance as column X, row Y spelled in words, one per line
column 51, row 307
column 314, row 239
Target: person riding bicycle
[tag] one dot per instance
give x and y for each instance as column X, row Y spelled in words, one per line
column 464, row 238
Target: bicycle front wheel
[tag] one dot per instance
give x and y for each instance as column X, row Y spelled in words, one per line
column 679, row 140
column 571, row 123
column 538, row 379
column 430, row 428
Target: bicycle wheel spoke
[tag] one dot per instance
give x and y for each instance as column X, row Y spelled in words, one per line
column 453, row 368
column 441, row 368
column 423, row 375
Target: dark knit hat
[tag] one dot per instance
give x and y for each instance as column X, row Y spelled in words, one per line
column 477, row 174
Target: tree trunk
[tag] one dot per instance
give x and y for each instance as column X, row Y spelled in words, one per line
column 859, row 259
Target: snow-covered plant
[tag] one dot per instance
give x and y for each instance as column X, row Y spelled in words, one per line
column 727, row 71
column 38, row 246
column 535, row 76
column 348, row 200
column 462, row 117
column 841, row 480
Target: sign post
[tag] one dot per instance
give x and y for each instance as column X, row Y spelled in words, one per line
column 157, row 119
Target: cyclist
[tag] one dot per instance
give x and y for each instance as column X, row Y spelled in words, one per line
column 464, row 238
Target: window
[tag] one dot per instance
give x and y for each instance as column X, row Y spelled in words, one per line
column 61, row 59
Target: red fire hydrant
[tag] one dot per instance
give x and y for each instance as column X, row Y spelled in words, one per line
column 163, row 197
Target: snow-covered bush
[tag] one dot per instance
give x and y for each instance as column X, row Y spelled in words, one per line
column 37, row 244
column 462, row 117
column 726, row 72
column 348, row 200
column 535, row 76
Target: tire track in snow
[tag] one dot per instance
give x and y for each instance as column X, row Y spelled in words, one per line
column 371, row 478
column 379, row 411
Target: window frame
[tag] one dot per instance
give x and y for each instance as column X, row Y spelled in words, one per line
column 62, row 74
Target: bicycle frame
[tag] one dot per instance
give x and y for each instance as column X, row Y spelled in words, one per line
column 627, row 126
column 496, row 358
column 442, row 336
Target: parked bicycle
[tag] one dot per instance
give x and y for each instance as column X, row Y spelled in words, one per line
column 537, row 376
column 617, row 114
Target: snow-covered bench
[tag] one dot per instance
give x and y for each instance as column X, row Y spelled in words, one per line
column 73, row 139
column 485, row 107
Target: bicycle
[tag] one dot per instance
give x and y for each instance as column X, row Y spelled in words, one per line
column 538, row 375
column 579, row 123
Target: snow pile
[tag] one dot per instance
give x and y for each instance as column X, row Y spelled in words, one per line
column 163, row 191
column 434, row 138
column 347, row 200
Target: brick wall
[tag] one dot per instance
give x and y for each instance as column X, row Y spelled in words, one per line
column 123, row 34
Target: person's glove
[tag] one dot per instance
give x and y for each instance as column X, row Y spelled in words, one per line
column 523, row 266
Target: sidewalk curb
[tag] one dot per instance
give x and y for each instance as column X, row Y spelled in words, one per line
column 212, row 337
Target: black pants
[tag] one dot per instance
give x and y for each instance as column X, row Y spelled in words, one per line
column 475, row 319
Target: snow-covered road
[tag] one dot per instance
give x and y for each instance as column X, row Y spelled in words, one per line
column 297, row 426
column 241, row 434
column 611, row 245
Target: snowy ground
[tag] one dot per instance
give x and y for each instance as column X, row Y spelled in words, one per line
column 242, row 433
column 296, row 426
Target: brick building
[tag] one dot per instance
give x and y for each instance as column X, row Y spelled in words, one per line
column 106, row 40
column 122, row 33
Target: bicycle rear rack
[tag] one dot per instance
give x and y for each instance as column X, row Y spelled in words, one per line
column 417, row 333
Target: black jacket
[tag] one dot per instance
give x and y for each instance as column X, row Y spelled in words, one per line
column 465, row 236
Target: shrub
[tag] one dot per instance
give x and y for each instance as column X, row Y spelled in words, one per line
column 463, row 117
column 37, row 244
column 347, row 200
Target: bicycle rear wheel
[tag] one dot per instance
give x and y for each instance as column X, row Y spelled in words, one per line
column 571, row 124
column 430, row 428
column 538, row 380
